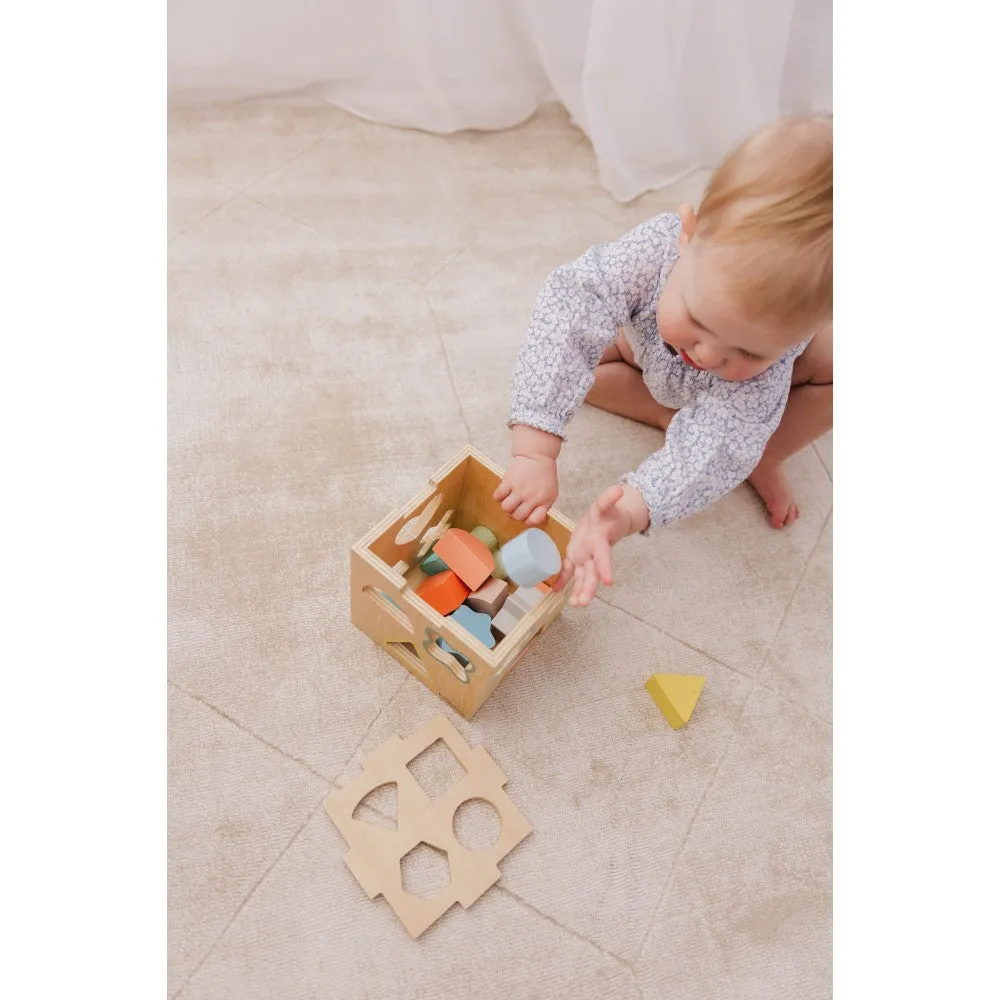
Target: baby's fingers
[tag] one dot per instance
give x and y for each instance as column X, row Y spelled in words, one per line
column 523, row 510
column 609, row 498
column 589, row 587
column 564, row 575
column 502, row 491
column 538, row 516
column 511, row 502
column 602, row 558
column 578, row 582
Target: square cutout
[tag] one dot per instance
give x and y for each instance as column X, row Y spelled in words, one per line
column 437, row 770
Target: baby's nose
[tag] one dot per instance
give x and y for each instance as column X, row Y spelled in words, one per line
column 709, row 356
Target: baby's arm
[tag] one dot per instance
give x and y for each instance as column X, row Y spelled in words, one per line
column 576, row 318
column 710, row 448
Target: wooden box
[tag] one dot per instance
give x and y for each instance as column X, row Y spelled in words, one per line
column 385, row 573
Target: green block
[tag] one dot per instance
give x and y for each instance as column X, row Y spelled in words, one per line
column 499, row 572
column 433, row 564
column 486, row 537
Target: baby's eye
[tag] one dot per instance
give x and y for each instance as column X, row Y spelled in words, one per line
column 750, row 356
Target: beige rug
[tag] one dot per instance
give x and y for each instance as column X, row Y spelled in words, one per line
column 345, row 304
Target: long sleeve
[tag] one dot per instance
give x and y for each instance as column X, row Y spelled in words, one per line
column 712, row 445
column 576, row 318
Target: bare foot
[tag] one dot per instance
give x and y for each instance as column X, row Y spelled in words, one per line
column 771, row 484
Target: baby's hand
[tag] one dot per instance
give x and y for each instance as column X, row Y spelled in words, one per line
column 529, row 487
column 617, row 512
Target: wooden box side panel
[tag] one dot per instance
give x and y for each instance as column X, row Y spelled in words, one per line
column 401, row 537
column 408, row 633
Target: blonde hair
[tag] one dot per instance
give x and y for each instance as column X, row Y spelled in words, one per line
column 772, row 198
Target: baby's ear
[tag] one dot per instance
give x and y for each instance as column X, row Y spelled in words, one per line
column 688, row 223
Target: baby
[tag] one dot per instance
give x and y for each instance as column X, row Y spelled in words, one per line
column 715, row 326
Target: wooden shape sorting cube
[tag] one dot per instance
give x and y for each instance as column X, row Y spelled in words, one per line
column 676, row 695
column 408, row 628
column 444, row 592
column 466, row 555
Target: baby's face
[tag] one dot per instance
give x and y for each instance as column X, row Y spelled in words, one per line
column 699, row 320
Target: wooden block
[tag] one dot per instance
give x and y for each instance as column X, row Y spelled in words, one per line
column 676, row 695
column 486, row 537
column 544, row 588
column 467, row 556
column 433, row 565
column 499, row 573
column 474, row 622
column 490, row 597
column 530, row 558
column 444, row 592
column 524, row 599
column 505, row 621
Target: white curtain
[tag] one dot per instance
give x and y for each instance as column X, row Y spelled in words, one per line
column 659, row 86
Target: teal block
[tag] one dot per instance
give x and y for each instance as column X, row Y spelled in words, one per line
column 433, row 565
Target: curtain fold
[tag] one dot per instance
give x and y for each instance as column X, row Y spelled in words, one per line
column 659, row 86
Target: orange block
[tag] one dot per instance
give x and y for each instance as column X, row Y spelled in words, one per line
column 465, row 555
column 444, row 592
column 544, row 588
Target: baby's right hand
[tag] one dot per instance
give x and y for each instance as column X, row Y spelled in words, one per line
column 529, row 487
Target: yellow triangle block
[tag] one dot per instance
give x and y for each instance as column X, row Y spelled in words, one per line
column 676, row 695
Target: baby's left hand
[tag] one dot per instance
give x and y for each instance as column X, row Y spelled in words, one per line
column 588, row 555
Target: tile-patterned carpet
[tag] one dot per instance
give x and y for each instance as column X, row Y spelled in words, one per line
column 345, row 304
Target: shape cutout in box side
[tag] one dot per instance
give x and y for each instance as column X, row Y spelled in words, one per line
column 408, row 653
column 413, row 528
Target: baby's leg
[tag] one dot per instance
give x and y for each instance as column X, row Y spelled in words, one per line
column 618, row 388
column 808, row 414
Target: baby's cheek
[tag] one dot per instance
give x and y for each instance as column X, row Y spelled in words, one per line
column 666, row 327
column 741, row 371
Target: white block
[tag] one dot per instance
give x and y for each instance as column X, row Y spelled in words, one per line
column 505, row 621
column 526, row 598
